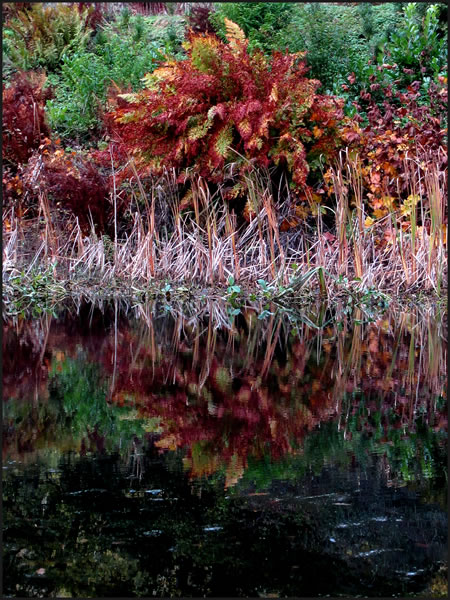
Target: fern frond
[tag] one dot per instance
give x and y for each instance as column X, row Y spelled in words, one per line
column 223, row 140
column 245, row 129
column 199, row 131
column 130, row 97
column 205, row 53
column 221, row 99
column 40, row 35
column 234, row 33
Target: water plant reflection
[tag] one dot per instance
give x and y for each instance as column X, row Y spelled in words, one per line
column 229, row 395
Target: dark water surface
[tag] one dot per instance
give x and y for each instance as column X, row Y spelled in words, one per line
column 149, row 453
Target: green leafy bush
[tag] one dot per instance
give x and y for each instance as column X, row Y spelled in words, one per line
column 166, row 32
column 416, row 52
column 333, row 38
column 122, row 53
column 79, row 92
column 130, row 48
column 39, row 35
column 260, row 21
column 379, row 22
column 417, row 46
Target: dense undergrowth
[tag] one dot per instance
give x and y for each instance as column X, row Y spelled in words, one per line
column 200, row 146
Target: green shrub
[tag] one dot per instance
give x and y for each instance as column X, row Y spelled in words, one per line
column 260, row 21
column 122, row 53
column 333, row 38
column 442, row 12
column 379, row 22
column 415, row 52
column 79, row 91
column 165, row 32
column 128, row 54
column 417, row 45
column 38, row 36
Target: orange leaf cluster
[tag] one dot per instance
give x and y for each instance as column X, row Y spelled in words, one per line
column 403, row 127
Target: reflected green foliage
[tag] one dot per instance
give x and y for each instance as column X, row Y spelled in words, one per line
column 77, row 415
column 416, row 456
column 413, row 452
column 76, row 386
column 78, row 393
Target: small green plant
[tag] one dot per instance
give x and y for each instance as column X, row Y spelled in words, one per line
column 373, row 300
column 233, row 291
column 233, row 298
column 31, row 291
column 166, row 289
column 267, row 290
column 264, row 314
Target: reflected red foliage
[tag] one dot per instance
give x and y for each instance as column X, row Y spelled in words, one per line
column 225, row 406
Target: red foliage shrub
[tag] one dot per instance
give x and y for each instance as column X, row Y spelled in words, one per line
column 95, row 13
column 403, row 127
column 199, row 19
column 222, row 105
column 23, row 117
column 71, row 181
column 12, row 191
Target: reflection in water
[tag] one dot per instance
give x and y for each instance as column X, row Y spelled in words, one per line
column 187, row 451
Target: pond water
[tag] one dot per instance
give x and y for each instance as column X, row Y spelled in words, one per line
column 147, row 452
